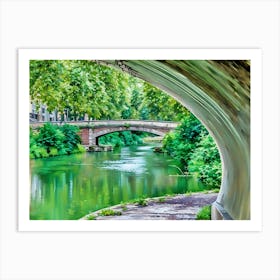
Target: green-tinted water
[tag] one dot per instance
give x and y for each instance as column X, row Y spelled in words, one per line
column 69, row 187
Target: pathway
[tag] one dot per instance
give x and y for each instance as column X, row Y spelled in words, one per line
column 179, row 207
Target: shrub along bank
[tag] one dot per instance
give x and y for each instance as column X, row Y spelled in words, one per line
column 52, row 140
column 196, row 151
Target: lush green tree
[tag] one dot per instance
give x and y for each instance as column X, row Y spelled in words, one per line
column 185, row 139
column 132, row 110
column 205, row 162
column 195, row 149
column 73, row 85
column 81, row 87
column 46, row 78
column 161, row 106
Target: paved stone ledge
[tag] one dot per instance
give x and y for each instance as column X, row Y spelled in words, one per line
column 179, row 207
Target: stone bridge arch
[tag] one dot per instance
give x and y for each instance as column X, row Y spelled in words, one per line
column 90, row 135
column 218, row 94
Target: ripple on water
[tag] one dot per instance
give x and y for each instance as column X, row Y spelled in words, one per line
column 133, row 165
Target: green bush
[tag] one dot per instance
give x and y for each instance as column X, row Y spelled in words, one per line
column 168, row 143
column 31, row 156
column 53, row 152
column 91, row 217
column 71, row 137
column 205, row 162
column 34, row 151
column 196, row 150
column 52, row 140
column 50, row 136
column 109, row 212
column 62, row 152
column 141, row 201
column 79, row 149
column 181, row 143
column 204, row 213
column 43, row 152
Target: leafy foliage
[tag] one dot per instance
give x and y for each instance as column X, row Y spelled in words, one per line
column 196, row 150
column 185, row 139
column 109, row 212
column 141, row 201
column 123, row 138
column 50, row 136
column 53, row 140
column 205, row 162
column 204, row 213
column 72, row 138
column 53, row 152
column 159, row 105
column 76, row 88
column 91, row 217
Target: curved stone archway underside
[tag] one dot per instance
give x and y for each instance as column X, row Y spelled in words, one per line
column 218, row 94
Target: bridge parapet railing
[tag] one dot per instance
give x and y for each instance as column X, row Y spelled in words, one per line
column 98, row 123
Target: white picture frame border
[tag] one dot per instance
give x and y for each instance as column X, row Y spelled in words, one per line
column 24, row 57
column 161, row 255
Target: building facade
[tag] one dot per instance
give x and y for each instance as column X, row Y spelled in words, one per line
column 41, row 114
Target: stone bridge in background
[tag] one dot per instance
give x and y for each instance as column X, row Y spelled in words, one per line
column 90, row 131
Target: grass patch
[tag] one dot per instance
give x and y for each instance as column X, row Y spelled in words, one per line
column 91, row 217
column 109, row 212
column 161, row 199
column 172, row 194
column 141, row 201
column 204, row 213
column 216, row 190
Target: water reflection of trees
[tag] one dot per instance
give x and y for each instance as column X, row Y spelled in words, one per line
column 70, row 187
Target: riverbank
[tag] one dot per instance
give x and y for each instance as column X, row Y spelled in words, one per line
column 177, row 207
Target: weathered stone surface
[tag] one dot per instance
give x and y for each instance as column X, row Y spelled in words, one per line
column 179, row 207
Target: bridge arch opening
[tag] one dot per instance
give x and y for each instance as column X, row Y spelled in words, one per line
column 120, row 129
column 218, row 94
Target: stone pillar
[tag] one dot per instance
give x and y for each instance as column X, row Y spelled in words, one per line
column 84, row 134
column 93, row 141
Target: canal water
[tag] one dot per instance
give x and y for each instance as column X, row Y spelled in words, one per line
column 69, row 187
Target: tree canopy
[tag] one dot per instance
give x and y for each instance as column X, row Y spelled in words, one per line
column 85, row 87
